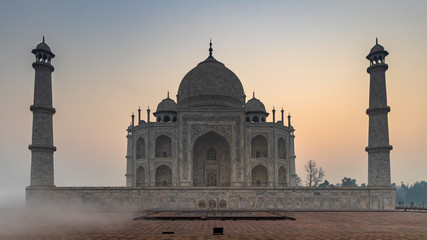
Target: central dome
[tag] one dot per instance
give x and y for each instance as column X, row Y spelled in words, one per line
column 210, row 83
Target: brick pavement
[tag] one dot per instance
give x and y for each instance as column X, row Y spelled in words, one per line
column 309, row 225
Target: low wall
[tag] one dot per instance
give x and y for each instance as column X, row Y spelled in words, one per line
column 289, row 198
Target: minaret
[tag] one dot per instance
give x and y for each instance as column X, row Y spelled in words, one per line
column 42, row 138
column 378, row 144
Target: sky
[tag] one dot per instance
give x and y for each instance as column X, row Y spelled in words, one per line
column 305, row 56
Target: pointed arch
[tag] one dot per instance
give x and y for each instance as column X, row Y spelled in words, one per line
column 255, row 119
column 212, row 203
column 140, row 177
column 140, row 148
column 259, row 176
column 281, row 148
column 211, row 160
column 163, row 176
column 202, row 203
column 283, row 181
column 163, row 146
column 259, row 147
column 222, row 203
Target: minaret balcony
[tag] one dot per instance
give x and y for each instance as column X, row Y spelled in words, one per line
column 43, row 65
column 377, row 67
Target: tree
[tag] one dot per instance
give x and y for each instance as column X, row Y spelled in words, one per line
column 348, row 182
column 314, row 174
column 324, row 184
column 415, row 194
column 298, row 181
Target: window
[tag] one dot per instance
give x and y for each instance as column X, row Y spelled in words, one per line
column 211, row 154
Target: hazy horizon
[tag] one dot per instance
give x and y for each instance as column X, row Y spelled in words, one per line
column 307, row 57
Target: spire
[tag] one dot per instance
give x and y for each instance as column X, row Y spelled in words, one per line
column 282, row 116
column 210, row 48
column 274, row 115
column 376, row 41
column 133, row 119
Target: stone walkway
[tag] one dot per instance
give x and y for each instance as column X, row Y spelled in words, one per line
column 308, row 225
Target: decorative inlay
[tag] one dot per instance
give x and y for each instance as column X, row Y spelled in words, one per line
column 200, row 129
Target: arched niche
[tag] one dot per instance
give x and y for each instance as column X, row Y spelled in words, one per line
column 163, row 146
column 212, row 203
column 259, row 147
column 140, row 148
column 211, row 160
column 259, row 176
column 140, row 177
column 202, row 203
column 163, row 176
column 282, row 174
column 222, row 203
column 281, row 148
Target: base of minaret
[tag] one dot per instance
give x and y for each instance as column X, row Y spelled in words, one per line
column 379, row 166
column 42, row 170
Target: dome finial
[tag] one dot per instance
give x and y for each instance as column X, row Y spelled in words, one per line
column 376, row 41
column 253, row 94
column 43, row 38
column 168, row 93
column 210, row 48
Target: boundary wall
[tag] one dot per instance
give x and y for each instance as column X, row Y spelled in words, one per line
column 247, row 198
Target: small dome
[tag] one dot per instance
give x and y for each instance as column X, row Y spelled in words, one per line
column 167, row 105
column 377, row 48
column 254, row 105
column 43, row 46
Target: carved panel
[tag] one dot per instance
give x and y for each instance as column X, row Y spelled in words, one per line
column 199, row 129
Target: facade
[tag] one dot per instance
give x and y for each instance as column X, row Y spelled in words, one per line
column 210, row 137
column 210, row 149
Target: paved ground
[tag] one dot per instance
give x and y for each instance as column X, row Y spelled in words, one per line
column 20, row 224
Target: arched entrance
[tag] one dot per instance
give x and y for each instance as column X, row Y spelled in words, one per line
column 211, row 161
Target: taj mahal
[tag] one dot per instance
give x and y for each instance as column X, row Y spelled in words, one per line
column 211, row 148
column 210, row 137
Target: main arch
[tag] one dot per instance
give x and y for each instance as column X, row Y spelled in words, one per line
column 211, row 161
